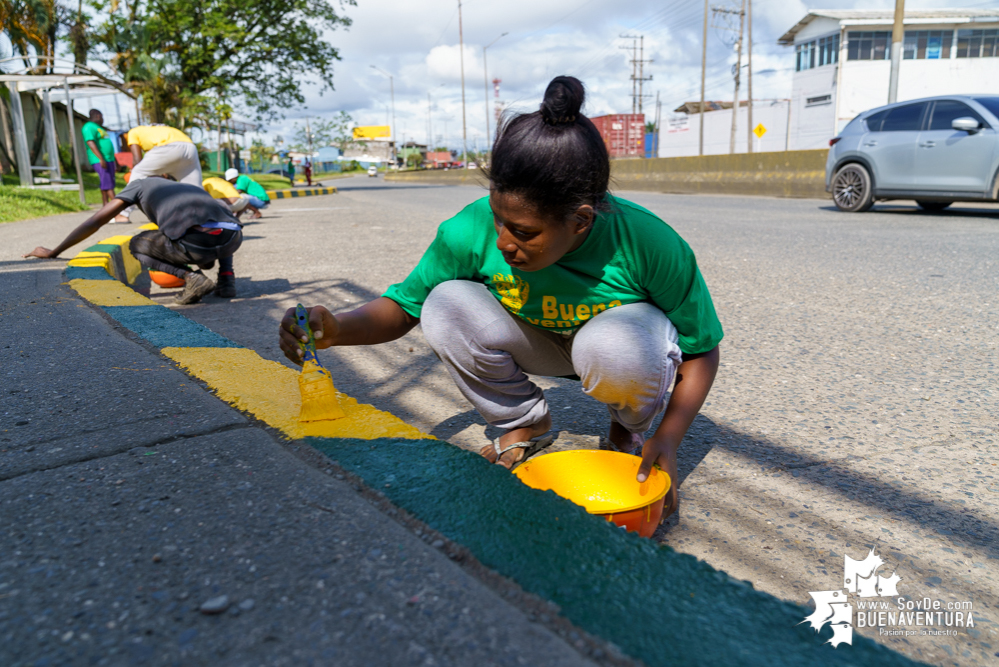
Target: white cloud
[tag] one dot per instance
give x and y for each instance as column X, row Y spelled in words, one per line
column 418, row 43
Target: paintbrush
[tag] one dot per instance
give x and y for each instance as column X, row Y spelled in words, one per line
column 318, row 393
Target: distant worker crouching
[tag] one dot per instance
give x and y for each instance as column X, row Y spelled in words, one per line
column 193, row 228
column 255, row 192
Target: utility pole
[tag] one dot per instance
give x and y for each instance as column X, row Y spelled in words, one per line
column 485, row 76
column 430, row 134
column 749, row 74
column 464, row 128
column 638, row 61
column 395, row 140
column 737, row 68
column 641, row 70
column 897, row 36
column 704, row 64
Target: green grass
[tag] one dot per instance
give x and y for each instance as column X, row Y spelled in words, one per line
column 17, row 203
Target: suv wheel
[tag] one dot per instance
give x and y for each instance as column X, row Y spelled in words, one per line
column 933, row 206
column 851, row 189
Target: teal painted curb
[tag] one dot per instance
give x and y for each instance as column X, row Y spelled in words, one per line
column 657, row 605
column 164, row 328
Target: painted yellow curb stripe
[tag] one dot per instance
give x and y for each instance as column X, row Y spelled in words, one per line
column 132, row 266
column 269, row 391
column 100, row 259
column 300, row 192
column 109, row 293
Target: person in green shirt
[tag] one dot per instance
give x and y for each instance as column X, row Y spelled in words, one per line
column 100, row 153
column 552, row 275
column 255, row 192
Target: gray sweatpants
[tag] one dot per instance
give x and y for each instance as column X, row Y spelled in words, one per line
column 626, row 356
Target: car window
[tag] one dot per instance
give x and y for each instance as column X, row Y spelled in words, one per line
column 874, row 121
column 990, row 103
column 945, row 111
column 904, row 119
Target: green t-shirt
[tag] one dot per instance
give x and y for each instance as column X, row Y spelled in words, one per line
column 94, row 132
column 246, row 184
column 629, row 256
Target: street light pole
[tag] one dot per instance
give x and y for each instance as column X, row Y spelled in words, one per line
column 395, row 140
column 464, row 127
column 704, row 60
column 485, row 76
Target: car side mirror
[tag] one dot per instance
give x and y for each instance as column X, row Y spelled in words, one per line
column 965, row 124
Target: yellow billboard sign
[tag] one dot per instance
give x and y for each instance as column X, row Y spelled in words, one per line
column 372, row 132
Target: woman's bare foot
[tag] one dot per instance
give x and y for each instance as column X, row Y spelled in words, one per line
column 516, row 435
column 624, row 440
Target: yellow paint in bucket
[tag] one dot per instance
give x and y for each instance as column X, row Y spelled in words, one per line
column 603, row 483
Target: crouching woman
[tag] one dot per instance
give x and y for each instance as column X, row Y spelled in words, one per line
column 552, row 275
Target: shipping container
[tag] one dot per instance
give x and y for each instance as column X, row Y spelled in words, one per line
column 623, row 133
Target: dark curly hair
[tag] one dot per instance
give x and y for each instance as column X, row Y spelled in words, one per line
column 555, row 157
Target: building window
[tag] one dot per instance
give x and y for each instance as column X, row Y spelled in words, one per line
column 868, row 45
column 829, row 50
column 805, row 56
column 818, row 101
column 817, row 53
column 977, row 43
column 927, row 44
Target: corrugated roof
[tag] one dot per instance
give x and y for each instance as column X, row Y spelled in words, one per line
column 884, row 14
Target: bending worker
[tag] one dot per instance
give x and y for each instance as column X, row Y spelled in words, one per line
column 552, row 275
column 161, row 149
column 255, row 192
column 193, row 229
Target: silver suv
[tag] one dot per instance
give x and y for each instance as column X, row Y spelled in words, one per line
column 936, row 150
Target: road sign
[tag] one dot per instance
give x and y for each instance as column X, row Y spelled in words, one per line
column 759, row 131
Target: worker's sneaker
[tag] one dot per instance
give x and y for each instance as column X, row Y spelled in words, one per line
column 196, row 286
column 226, row 286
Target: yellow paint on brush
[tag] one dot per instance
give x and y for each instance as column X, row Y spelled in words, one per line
column 269, row 391
column 319, row 396
column 132, row 266
column 108, row 293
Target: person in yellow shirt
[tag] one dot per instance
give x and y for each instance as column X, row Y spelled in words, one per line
column 157, row 150
column 222, row 189
column 160, row 149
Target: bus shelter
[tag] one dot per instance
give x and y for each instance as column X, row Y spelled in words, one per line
column 52, row 87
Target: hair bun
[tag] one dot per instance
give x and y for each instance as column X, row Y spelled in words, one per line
column 563, row 100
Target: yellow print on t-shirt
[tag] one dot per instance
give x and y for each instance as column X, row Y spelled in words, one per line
column 557, row 315
column 513, row 289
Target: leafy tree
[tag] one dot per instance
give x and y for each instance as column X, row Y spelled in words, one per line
column 650, row 127
column 257, row 50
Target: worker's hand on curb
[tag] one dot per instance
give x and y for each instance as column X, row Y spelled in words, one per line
column 43, row 253
column 324, row 328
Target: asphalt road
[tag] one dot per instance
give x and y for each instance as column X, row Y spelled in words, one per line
column 854, row 407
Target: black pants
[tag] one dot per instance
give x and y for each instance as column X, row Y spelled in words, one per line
column 159, row 253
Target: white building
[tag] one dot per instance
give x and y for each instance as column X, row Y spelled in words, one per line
column 842, row 61
column 680, row 134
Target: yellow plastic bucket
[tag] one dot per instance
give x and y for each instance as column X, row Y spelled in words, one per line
column 603, row 483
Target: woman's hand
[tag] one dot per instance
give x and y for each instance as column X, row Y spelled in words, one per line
column 43, row 253
column 661, row 451
column 324, row 328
